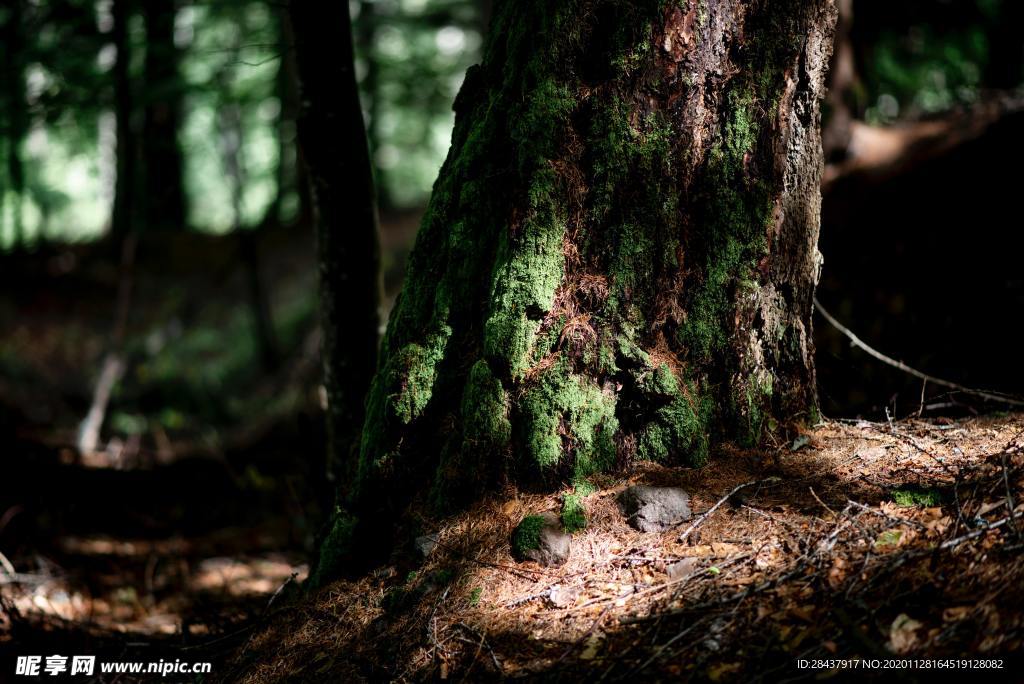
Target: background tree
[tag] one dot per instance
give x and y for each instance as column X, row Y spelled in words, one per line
column 164, row 191
column 619, row 256
column 125, row 188
column 16, row 107
column 337, row 157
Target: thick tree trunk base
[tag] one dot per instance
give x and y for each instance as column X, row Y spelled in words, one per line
column 619, row 255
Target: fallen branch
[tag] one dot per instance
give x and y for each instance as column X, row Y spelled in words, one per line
column 704, row 516
column 857, row 342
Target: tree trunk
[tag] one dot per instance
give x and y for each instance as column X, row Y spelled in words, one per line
column 337, row 159
column 164, row 192
column 123, row 211
column 619, row 256
column 16, row 113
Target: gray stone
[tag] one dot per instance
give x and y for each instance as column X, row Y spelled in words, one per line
column 552, row 542
column 563, row 597
column 426, row 544
column 683, row 568
column 653, row 509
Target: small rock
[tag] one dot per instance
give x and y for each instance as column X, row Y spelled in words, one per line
column 682, row 568
column 653, row 509
column 563, row 597
column 541, row 538
column 426, row 544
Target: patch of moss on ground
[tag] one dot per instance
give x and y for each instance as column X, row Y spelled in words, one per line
column 527, row 534
column 909, row 497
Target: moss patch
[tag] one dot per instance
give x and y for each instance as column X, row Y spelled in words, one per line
column 335, row 548
column 908, row 497
column 568, row 413
column 526, row 536
column 574, row 513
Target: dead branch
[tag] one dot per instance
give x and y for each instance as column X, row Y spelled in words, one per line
column 857, row 342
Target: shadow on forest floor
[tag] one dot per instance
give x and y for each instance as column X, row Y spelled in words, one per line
column 870, row 541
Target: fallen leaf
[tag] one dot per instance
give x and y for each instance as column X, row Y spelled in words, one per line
column 717, row 672
column 903, row 633
column 682, row 568
column 591, row 646
column 725, row 549
column 954, row 613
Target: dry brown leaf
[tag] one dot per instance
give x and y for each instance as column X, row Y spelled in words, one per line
column 903, row 633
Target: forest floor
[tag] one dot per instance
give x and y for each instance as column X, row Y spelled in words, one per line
column 187, row 534
column 863, row 540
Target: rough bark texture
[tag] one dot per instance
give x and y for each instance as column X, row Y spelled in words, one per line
column 619, row 255
column 336, row 156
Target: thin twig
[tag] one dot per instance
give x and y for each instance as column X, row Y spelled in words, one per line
column 857, row 342
column 823, row 504
column 704, row 516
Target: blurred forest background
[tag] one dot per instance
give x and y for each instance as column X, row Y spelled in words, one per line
column 158, row 329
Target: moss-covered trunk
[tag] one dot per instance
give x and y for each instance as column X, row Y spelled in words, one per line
column 619, row 256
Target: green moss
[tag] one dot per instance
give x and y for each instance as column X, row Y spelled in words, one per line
column 910, row 496
column 415, row 369
column 485, row 429
column 680, row 423
column 561, row 402
column 574, row 514
column 335, row 548
column 526, row 536
column 475, row 595
column 485, row 408
column 528, row 271
column 753, row 408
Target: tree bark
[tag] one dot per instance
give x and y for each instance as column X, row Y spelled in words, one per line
column 618, row 259
column 334, row 150
column 164, row 192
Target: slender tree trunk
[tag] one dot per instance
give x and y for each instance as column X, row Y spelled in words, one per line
column 164, row 192
column 17, row 111
column 292, row 174
column 619, row 256
column 123, row 212
column 336, row 156
column 232, row 140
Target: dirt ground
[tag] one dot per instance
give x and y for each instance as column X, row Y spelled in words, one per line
column 888, row 542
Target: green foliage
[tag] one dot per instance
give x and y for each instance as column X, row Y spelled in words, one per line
column 474, row 596
column 526, row 536
column 442, row 577
column 925, row 72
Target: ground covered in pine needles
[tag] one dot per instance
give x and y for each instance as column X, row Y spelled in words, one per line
column 877, row 541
